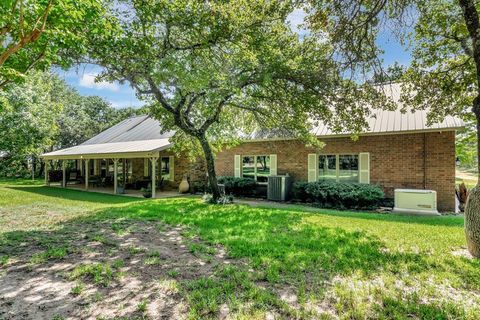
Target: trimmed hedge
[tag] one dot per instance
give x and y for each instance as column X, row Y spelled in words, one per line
column 339, row 195
column 238, row 186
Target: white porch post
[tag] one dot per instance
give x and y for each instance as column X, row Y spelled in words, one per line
column 47, row 182
column 154, row 174
column 64, row 178
column 115, row 174
column 87, row 172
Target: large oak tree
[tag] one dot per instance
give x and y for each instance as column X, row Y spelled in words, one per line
column 445, row 71
column 216, row 70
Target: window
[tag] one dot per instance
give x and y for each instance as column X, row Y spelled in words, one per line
column 348, row 168
column 327, row 167
column 165, row 168
column 342, row 168
column 256, row 167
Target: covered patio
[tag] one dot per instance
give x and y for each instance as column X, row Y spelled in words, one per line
column 129, row 167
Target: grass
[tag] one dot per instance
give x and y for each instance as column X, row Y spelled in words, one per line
column 100, row 273
column 297, row 262
column 78, row 289
column 54, row 253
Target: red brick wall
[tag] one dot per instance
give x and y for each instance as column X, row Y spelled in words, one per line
column 194, row 170
column 396, row 161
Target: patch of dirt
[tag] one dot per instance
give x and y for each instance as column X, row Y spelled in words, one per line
column 463, row 252
column 154, row 259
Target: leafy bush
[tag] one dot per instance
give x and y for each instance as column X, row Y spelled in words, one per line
column 14, row 168
column 299, row 191
column 199, row 187
column 339, row 195
column 238, row 186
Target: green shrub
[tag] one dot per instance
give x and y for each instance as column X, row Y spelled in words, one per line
column 299, row 191
column 339, row 195
column 238, row 186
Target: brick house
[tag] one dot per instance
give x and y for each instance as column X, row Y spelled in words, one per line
column 398, row 151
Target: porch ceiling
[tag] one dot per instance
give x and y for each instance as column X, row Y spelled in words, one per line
column 126, row 149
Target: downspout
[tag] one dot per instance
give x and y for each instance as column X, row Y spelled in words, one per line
column 424, row 160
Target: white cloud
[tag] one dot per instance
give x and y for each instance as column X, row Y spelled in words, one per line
column 296, row 20
column 88, row 81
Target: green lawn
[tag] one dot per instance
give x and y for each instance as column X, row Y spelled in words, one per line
column 255, row 261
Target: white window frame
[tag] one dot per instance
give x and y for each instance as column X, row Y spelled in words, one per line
column 337, row 165
column 255, row 164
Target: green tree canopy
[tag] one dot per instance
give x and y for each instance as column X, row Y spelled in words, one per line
column 43, row 114
column 219, row 69
column 38, row 33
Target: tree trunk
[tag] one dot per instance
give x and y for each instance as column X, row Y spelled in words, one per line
column 42, row 168
column 472, row 208
column 210, row 161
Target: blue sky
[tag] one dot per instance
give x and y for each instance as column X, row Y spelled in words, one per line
column 119, row 95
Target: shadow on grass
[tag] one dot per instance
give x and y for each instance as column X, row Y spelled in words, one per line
column 276, row 242
column 20, row 182
column 77, row 195
column 448, row 221
column 280, row 247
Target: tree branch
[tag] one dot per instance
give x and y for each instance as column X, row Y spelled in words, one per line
column 27, row 39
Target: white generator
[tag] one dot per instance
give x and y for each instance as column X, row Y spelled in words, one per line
column 415, row 201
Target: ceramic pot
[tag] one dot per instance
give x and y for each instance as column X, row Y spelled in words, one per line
column 183, row 187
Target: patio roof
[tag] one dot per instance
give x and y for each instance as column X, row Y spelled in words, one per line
column 124, row 149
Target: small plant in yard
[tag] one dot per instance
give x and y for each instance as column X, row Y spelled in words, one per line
column 51, row 253
column 147, row 192
column 102, row 239
column 136, row 250
column 201, row 248
column 153, row 257
column 173, row 273
column 169, row 285
column 120, row 228
column 142, row 306
column 4, row 260
column 101, row 273
column 78, row 289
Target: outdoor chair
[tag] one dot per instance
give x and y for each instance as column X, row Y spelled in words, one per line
column 73, row 177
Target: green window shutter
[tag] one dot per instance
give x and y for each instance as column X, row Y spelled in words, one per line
column 364, row 167
column 145, row 167
column 237, row 171
column 171, row 173
column 273, row 164
column 312, row 167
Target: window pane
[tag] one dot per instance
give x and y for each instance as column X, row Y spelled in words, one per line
column 165, row 168
column 327, row 167
column 263, row 168
column 248, row 168
column 348, row 168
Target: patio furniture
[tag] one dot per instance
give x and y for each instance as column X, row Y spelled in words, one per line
column 142, row 183
column 73, row 177
column 94, row 181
